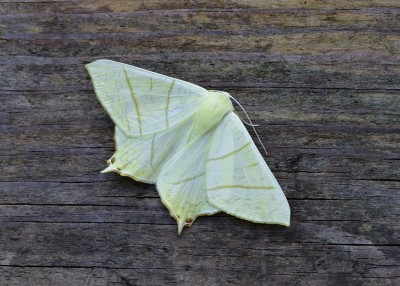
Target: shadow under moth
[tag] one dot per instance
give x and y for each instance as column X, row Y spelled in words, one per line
column 188, row 142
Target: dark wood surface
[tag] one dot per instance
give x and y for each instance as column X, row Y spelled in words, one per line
column 323, row 80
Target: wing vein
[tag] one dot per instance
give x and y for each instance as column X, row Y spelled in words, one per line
column 134, row 100
column 241, row 187
column 168, row 100
column 230, row 153
column 189, row 179
column 152, row 152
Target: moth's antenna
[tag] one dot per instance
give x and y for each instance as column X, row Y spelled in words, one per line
column 249, row 123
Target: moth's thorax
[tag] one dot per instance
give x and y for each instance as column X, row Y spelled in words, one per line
column 210, row 112
column 213, row 108
column 217, row 103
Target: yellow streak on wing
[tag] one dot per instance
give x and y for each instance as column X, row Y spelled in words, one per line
column 188, row 179
column 134, row 100
column 252, row 165
column 168, row 99
column 242, row 187
column 230, row 153
column 152, row 152
column 151, row 84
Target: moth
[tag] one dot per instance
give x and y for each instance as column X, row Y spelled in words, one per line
column 188, row 142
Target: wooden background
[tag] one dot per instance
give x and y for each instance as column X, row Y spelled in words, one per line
column 321, row 77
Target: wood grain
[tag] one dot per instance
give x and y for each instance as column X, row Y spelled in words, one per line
column 321, row 78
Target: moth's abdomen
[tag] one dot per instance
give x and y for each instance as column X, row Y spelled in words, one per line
column 211, row 111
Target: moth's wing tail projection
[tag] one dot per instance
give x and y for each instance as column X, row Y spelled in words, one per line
column 141, row 101
column 182, row 181
column 143, row 157
column 238, row 180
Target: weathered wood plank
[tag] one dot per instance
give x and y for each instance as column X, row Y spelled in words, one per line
column 247, row 21
column 321, row 79
column 221, row 74
column 95, row 6
column 96, row 276
column 222, row 261
column 355, row 226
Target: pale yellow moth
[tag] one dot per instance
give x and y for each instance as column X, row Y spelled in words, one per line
column 189, row 142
